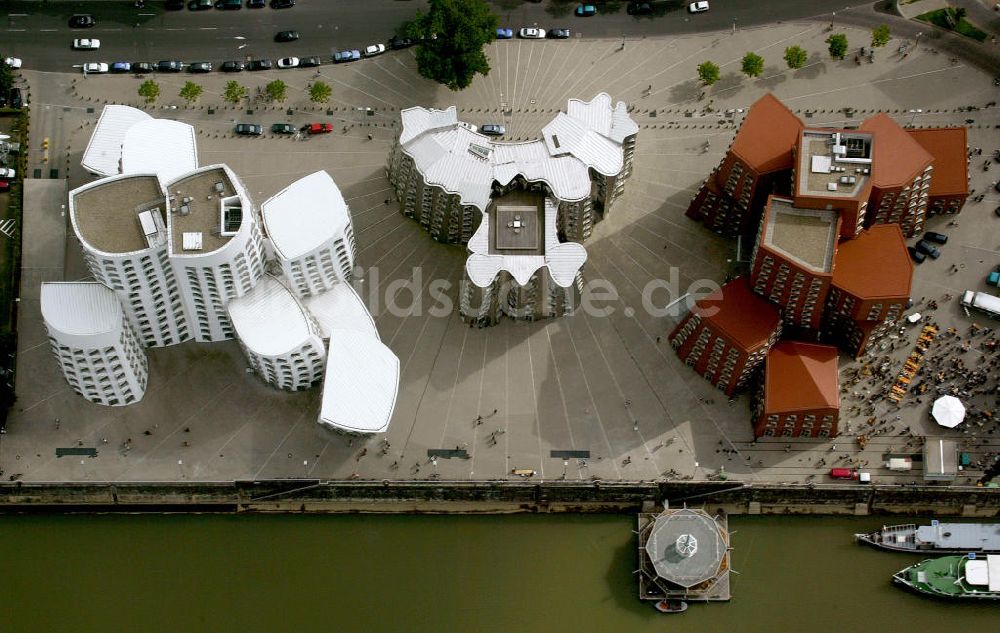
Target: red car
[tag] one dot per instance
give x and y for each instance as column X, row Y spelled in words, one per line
column 4, row 185
column 319, row 128
column 843, row 473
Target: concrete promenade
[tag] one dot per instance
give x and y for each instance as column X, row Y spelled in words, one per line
column 610, row 384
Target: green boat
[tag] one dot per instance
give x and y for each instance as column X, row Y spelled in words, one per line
column 954, row 577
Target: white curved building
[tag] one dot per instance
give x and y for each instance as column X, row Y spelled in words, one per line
column 215, row 246
column 309, row 226
column 280, row 338
column 361, row 384
column 520, row 207
column 121, row 223
column 97, row 348
column 126, row 140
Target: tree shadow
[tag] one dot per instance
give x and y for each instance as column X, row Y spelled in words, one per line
column 560, row 8
column 815, row 66
column 609, row 8
column 730, row 82
column 686, row 91
column 772, row 77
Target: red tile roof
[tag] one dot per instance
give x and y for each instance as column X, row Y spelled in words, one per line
column 897, row 158
column 875, row 264
column 746, row 318
column 768, row 133
column 949, row 147
column 800, row 377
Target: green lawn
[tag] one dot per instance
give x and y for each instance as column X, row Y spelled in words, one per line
column 941, row 17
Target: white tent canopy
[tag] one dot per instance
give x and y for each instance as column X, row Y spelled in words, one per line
column 948, row 411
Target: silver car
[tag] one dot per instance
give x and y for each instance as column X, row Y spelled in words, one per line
column 532, row 34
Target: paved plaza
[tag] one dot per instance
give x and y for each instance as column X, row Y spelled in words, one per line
column 608, row 384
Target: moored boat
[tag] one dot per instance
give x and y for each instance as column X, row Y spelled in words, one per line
column 671, row 606
column 936, row 538
column 954, row 577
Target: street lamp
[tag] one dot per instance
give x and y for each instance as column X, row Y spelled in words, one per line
column 565, row 465
column 914, row 113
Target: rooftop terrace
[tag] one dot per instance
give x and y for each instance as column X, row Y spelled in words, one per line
column 808, row 236
column 833, row 164
column 107, row 215
column 517, row 224
column 197, row 208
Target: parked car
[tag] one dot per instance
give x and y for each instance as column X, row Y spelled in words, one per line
column 168, row 66
column 95, row 68
column 559, row 34
column 229, row 5
column 928, row 249
column 396, row 43
column 86, row 44
column 142, row 67
column 16, row 100
column 374, row 49
column 997, row 186
column 13, row 62
column 698, row 7
column 200, row 67
column 173, row 5
column 639, row 8
column 505, row 34
column 585, row 11
column 938, row 238
column 532, row 34
column 915, row 255
column 234, row 66
column 286, row 36
column 4, row 185
column 492, row 129
column 346, row 56
column 8, row 172
column 256, row 4
column 82, row 21
column 319, row 128
column 288, row 62
column 997, row 212
column 200, row 5
column 120, row 67
column 282, row 4
column 249, row 129
column 283, row 128
column 260, row 64
column 310, row 62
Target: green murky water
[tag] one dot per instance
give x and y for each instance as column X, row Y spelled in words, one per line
column 441, row 574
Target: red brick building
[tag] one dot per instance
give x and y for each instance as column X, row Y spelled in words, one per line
column 901, row 177
column 792, row 263
column 950, row 185
column 872, row 275
column 726, row 335
column 800, row 393
column 832, row 170
column 730, row 201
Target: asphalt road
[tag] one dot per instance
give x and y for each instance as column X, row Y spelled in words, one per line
column 39, row 32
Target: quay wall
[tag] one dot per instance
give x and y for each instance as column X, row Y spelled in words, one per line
column 493, row 497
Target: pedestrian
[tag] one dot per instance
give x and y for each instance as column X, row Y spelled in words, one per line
column 370, row 137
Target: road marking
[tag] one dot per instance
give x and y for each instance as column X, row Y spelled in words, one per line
column 207, row 28
column 47, row 30
column 16, row 30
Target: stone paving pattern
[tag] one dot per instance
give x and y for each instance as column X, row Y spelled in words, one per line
column 607, row 384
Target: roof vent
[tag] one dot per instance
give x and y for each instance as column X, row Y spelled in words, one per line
column 480, row 151
column 555, row 140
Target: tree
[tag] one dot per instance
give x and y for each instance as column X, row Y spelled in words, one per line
column 708, row 73
column 452, row 35
column 276, row 90
column 149, row 90
column 320, row 92
column 880, row 35
column 234, row 92
column 753, row 65
column 795, row 57
column 190, row 92
column 838, row 45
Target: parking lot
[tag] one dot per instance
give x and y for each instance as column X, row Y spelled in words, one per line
column 607, row 385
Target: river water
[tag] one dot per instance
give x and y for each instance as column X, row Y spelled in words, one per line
column 445, row 574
